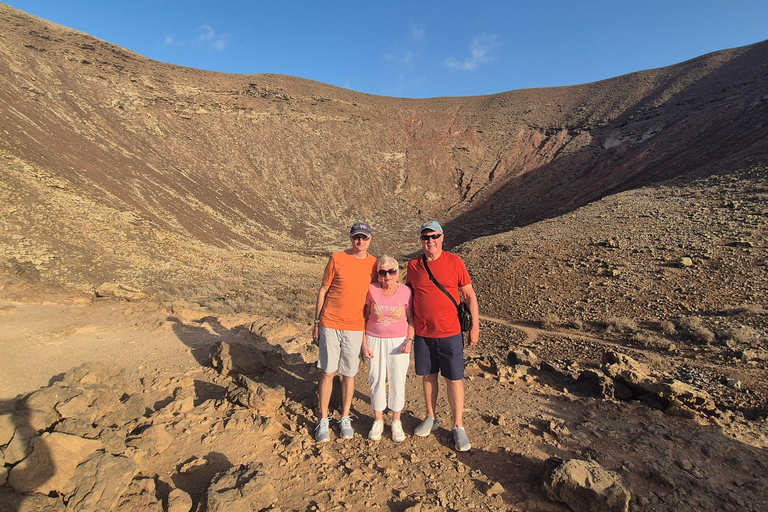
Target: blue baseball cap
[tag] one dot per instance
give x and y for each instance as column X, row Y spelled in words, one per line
column 360, row 228
column 431, row 225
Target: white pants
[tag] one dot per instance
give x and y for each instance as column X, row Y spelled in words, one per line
column 387, row 361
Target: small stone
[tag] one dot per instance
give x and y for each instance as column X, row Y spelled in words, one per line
column 179, row 501
column 495, row 490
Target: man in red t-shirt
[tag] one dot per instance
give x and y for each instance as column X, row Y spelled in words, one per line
column 439, row 344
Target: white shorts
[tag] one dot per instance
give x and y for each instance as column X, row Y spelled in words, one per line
column 340, row 351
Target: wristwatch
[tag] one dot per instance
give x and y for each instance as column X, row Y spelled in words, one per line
column 317, row 321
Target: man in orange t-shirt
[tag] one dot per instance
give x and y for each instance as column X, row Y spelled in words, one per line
column 439, row 344
column 339, row 325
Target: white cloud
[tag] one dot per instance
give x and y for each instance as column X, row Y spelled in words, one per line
column 206, row 38
column 402, row 52
column 403, row 58
column 417, row 33
column 480, row 53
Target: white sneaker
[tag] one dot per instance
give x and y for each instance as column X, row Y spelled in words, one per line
column 321, row 431
column 345, row 428
column 376, row 430
column 460, row 437
column 398, row 435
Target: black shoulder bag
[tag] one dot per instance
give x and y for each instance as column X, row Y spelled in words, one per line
column 465, row 317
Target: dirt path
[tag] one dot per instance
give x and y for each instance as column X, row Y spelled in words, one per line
column 41, row 341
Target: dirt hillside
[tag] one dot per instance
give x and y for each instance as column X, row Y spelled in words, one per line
column 160, row 226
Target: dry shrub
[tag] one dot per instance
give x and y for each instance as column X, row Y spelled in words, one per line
column 689, row 323
column 742, row 335
column 695, row 328
column 749, row 309
column 550, row 321
column 703, row 335
column 658, row 361
column 667, row 327
column 621, row 324
column 653, row 341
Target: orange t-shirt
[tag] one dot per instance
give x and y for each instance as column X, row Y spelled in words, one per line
column 348, row 279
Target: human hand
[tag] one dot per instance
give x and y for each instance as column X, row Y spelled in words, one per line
column 474, row 336
column 316, row 334
column 405, row 348
column 367, row 352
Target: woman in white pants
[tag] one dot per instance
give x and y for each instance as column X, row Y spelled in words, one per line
column 387, row 345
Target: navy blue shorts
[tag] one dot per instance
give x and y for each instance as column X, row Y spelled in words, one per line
column 445, row 355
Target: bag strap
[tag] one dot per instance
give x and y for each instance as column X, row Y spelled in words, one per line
column 442, row 288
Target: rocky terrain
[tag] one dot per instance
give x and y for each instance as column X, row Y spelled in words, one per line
column 164, row 230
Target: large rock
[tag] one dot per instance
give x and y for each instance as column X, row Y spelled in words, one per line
column 51, row 464
column 94, row 373
column 91, row 392
column 46, row 399
column 20, row 447
column 230, row 358
column 243, row 488
column 643, row 381
column 141, row 495
column 102, row 405
column 152, row 440
column 256, row 396
column 14, row 502
column 120, row 291
column 99, row 482
column 585, row 486
column 38, row 420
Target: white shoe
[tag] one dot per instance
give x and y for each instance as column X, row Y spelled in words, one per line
column 321, row 431
column 398, row 435
column 376, row 430
column 460, row 437
column 345, row 428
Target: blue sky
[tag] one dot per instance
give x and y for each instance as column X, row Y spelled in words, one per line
column 418, row 49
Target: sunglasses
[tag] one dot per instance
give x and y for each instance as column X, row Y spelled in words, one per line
column 360, row 237
column 433, row 236
column 391, row 271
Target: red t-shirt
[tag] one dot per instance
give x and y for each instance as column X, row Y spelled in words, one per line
column 434, row 315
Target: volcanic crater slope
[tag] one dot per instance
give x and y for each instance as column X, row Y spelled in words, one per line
column 163, row 231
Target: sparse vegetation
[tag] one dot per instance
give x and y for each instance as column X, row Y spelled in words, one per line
column 747, row 309
column 621, row 324
column 667, row 327
column 550, row 321
column 740, row 335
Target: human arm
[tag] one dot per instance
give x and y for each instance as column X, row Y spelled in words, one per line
column 367, row 352
column 319, row 310
column 408, row 343
column 471, row 299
